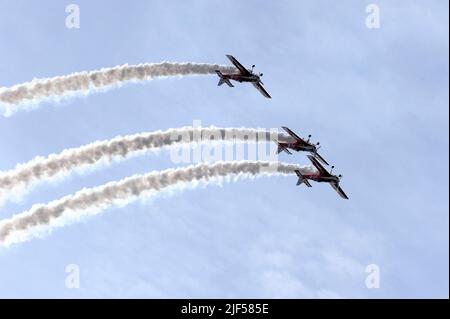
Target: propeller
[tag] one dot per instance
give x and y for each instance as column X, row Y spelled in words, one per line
column 309, row 137
column 317, row 146
column 332, row 167
column 253, row 66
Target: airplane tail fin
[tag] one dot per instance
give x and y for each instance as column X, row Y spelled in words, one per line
column 302, row 179
column 281, row 148
column 223, row 79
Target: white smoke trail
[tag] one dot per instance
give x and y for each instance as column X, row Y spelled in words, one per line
column 16, row 97
column 18, row 180
column 31, row 223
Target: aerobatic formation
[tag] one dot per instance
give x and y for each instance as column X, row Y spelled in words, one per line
column 41, row 218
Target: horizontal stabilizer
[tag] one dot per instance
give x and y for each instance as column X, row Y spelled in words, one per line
column 281, row 148
column 302, row 179
column 223, row 79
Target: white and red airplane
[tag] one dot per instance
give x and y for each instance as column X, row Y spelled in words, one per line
column 321, row 176
column 299, row 144
column 244, row 75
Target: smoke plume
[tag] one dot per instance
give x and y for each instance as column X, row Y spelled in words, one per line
column 15, row 97
column 28, row 224
column 41, row 169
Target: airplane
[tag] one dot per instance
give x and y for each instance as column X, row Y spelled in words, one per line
column 244, row 75
column 322, row 175
column 299, row 144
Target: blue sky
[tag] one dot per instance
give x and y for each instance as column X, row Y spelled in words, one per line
column 377, row 99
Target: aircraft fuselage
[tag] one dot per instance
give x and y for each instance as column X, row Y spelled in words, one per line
column 243, row 78
column 296, row 147
column 322, row 179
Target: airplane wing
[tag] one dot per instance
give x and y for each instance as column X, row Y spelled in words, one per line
column 339, row 190
column 295, row 136
column 260, row 88
column 321, row 158
column 239, row 66
column 319, row 166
